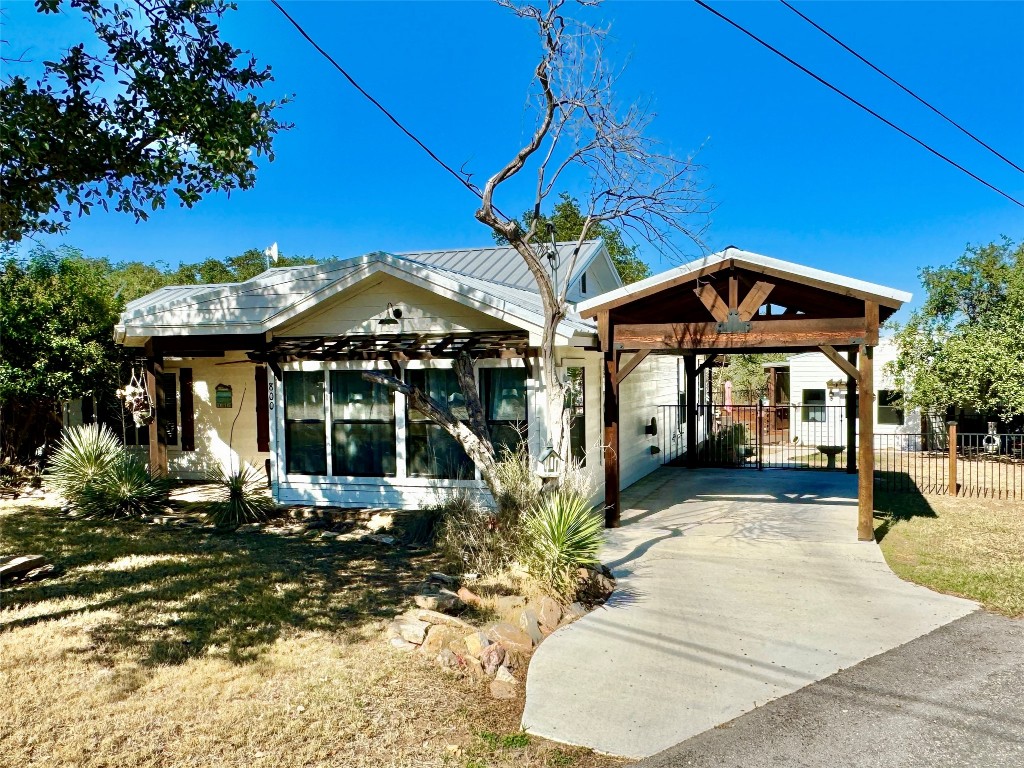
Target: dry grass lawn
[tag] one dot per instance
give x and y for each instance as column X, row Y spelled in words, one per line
column 968, row 547
column 169, row 647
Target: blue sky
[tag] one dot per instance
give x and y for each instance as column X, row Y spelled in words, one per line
column 796, row 172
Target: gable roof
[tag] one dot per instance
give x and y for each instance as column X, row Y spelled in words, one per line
column 755, row 262
column 274, row 297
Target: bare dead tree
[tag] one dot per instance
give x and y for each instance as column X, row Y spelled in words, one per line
column 632, row 182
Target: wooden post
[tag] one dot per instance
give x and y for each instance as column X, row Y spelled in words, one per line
column 852, row 390
column 866, row 477
column 952, row 458
column 612, row 508
column 690, row 368
column 157, row 435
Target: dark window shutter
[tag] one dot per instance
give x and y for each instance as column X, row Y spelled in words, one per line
column 262, row 411
column 188, row 414
column 88, row 410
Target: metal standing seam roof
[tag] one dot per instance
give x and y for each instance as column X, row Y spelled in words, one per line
column 890, row 296
column 255, row 303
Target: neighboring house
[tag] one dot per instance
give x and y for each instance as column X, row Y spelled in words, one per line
column 817, row 390
column 329, row 437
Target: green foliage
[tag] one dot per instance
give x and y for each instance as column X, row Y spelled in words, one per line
column 83, row 454
column 244, row 499
column 520, row 486
column 125, row 490
column 561, row 533
column 568, row 221
column 183, row 119
column 100, row 479
column 748, row 376
column 234, row 269
column 965, row 348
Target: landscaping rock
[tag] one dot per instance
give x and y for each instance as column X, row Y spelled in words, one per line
column 474, row 668
column 476, row 643
column 436, row 617
column 572, row 612
column 531, row 626
column 19, row 566
column 411, row 630
column 381, row 521
column 511, row 638
column 441, row 578
column 380, row 539
column 329, row 535
column 508, row 605
column 435, row 598
column 596, row 583
column 501, row 690
column 402, row 645
column 492, row 657
column 45, row 572
column 549, row 613
column 468, row 596
column 438, row 639
column 505, row 676
column 449, row 660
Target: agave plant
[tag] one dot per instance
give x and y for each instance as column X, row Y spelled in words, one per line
column 124, row 490
column 561, row 534
column 84, row 454
column 243, row 499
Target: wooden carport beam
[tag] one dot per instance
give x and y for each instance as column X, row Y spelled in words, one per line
column 754, row 299
column 844, row 365
column 634, row 361
column 866, row 407
column 709, row 298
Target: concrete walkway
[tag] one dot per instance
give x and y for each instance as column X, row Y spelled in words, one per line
column 735, row 588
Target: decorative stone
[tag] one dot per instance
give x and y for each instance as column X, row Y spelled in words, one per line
column 468, row 596
column 43, row 572
column 511, row 638
column 329, row 535
column 504, row 691
column 491, row 658
column 380, row 539
column 474, row 668
column 549, row 613
column 529, row 624
column 441, row 578
column 402, row 645
column 572, row 612
column 412, row 630
column 436, row 617
column 438, row 638
column 448, row 659
column 505, row 676
column 507, row 606
column 20, row 565
column 435, row 598
column 475, row 643
column 380, row 521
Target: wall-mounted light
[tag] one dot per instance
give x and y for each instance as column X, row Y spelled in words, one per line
column 391, row 316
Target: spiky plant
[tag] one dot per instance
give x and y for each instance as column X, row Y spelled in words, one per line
column 124, row 490
column 84, row 454
column 561, row 534
column 243, row 499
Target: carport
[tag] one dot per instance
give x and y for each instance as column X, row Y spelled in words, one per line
column 734, row 302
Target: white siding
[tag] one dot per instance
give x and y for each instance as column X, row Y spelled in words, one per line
column 652, row 383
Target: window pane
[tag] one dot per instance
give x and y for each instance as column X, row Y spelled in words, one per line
column 364, row 449
column 889, row 410
column 432, row 452
column 813, row 409
column 442, row 385
column 305, row 448
column 506, row 393
column 355, row 399
column 575, row 399
column 507, row 436
column 304, row 395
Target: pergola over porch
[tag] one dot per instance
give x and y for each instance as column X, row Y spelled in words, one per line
column 736, row 302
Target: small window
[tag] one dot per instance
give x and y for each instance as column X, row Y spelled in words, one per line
column 504, row 396
column 362, row 427
column 583, row 283
column 813, row 409
column 304, row 423
column 430, row 450
column 575, row 405
column 681, row 416
column 890, row 407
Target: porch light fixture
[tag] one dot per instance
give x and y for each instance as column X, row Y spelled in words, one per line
column 392, row 315
column 549, row 462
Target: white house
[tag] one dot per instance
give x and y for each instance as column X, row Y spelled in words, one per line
column 329, row 437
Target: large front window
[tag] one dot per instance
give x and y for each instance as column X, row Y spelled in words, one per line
column 362, row 427
column 504, row 396
column 305, row 441
column 430, row 450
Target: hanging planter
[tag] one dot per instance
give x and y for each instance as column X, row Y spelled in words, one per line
column 137, row 401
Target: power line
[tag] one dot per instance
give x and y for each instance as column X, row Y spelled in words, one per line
column 901, row 86
column 461, row 178
column 851, row 99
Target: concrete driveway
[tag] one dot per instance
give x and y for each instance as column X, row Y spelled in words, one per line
column 735, row 588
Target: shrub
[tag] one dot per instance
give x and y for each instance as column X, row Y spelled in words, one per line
column 520, row 486
column 471, row 536
column 243, row 499
column 125, row 489
column 83, row 454
column 561, row 534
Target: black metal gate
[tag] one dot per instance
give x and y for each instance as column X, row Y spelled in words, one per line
column 807, row 436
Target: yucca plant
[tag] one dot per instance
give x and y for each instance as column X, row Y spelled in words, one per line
column 561, row 534
column 243, row 499
column 123, row 490
column 84, row 454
